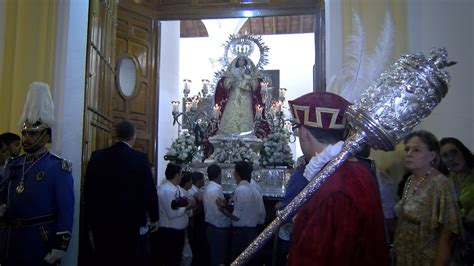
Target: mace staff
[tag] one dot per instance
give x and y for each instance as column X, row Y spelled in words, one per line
column 403, row 95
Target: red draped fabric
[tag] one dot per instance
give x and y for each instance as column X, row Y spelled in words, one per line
column 342, row 223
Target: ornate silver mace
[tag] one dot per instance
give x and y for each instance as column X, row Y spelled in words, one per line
column 395, row 103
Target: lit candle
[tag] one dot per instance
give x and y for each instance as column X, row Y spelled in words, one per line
column 263, row 89
column 188, row 106
column 279, row 104
column 187, row 87
column 205, row 82
column 258, row 111
column 195, row 103
column 282, row 93
column 205, row 90
column 216, row 110
column 288, row 126
column 273, row 108
column 175, row 105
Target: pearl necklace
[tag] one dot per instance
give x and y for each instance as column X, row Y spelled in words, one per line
column 410, row 179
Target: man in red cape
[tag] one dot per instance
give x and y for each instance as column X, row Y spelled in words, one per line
column 342, row 223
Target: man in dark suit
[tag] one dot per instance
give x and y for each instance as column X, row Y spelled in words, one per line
column 119, row 193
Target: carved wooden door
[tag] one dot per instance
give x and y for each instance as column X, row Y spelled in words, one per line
column 100, row 70
column 136, row 43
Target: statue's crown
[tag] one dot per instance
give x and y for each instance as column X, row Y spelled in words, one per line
column 242, row 47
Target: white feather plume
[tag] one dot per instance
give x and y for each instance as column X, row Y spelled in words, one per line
column 355, row 58
column 39, row 106
column 383, row 49
column 360, row 69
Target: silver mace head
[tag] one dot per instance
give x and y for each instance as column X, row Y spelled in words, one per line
column 403, row 95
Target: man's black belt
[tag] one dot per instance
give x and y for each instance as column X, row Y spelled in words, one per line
column 216, row 227
column 19, row 223
column 244, row 227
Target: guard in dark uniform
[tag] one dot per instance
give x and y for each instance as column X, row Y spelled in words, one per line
column 37, row 196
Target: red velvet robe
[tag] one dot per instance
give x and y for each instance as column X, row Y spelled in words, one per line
column 342, row 223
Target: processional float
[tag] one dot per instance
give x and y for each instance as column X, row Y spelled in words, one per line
column 390, row 108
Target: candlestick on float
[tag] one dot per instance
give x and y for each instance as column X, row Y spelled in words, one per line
column 287, row 126
column 194, row 104
column 187, row 87
column 264, row 90
column 273, row 108
column 188, row 106
column 175, row 106
column 282, row 94
column 216, row 111
column 205, row 89
column 258, row 111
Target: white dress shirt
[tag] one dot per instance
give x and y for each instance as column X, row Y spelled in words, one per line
column 193, row 191
column 255, row 185
column 213, row 215
column 248, row 206
column 177, row 219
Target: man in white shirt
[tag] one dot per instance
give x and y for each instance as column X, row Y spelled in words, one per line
column 248, row 208
column 198, row 184
column 174, row 219
column 197, row 236
column 218, row 223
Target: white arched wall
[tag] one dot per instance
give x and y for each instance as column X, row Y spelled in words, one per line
column 169, row 87
column 450, row 24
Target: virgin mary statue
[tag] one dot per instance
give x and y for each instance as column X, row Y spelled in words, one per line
column 238, row 92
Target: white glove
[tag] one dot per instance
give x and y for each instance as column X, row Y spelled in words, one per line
column 54, row 256
column 3, row 208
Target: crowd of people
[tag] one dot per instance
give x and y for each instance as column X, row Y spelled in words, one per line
column 187, row 219
column 189, row 223
column 348, row 219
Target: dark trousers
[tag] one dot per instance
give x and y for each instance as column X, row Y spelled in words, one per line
column 170, row 246
column 282, row 252
column 219, row 243
column 144, row 250
column 197, row 232
column 241, row 238
column 108, row 244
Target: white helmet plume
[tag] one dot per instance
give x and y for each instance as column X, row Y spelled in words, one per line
column 39, row 106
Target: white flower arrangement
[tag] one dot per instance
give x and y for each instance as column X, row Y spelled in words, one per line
column 276, row 151
column 182, row 149
column 235, row 151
